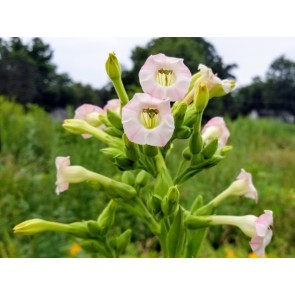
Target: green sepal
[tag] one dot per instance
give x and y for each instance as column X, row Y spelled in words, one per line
column 196, row 222
column 95, row 246
column 107, row 217
column 179, row 114
column 94, row 229
column 150, row 151
column 154, row 203
column 113, row 131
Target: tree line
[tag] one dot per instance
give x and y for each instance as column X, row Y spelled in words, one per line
column 28, row 75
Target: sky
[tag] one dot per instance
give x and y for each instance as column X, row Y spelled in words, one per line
column 84, row 58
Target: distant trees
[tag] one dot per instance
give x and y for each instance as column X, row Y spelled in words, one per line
column 27, row 75
column 274, row 94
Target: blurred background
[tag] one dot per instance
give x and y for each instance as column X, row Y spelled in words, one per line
column 43, row 80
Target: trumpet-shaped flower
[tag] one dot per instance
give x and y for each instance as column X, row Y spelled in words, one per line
column 148, row 120
column 216, row 128
column 89, row 113
column 66, row 174
column 165, row 77
column 259, row 229
column 213, row 81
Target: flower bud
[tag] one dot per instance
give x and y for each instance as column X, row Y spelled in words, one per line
column 187, row 155
column 154, row 203
column 34, row 226
column 132, row 150
column 142, row 178
column 94, row 246
column 201, row 97
column 170, row 201
column 116, row 188
column 107, row 217
column 196, row 143
column 179, row 114
column 128, row 178
column 114, row 119
column 113, row 67
column 183, row 132
column 123, row 240
column 210, row 149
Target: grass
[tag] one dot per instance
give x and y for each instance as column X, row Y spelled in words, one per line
column 30, row 141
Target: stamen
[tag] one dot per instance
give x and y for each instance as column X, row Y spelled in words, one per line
column 165, row 77
column 149, row 117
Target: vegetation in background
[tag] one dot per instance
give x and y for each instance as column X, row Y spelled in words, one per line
column 30, row 141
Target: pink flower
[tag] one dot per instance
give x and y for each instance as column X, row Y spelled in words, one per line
column 165, row 77
column 89, row 113
column 244, row 181
column 113, row 105
column 216, row 128
column 212, row 80
column 148, row 120
column 66, row 174
column 263, row 226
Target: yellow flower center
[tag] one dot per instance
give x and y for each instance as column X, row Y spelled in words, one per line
column 165, row 77
column 150, row 117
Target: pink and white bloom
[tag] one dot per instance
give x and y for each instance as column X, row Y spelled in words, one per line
column 165, row 77
column 263, row 226
column 65, row 174
column 216, row 128
column 148, row 120
column 113, row 105
column 259, row 229
column 89, row 113
column 212, row 80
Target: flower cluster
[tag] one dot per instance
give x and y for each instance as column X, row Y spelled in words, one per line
column 139, row 135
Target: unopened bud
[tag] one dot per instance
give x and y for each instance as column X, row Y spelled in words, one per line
column 210, row 149
column 201, row 97
column 179, row 114
column 113, row 67
column 128, row 178
column 123, row 240
column 132, row 150
column 183, row 132
column 107, row 217
column 154, row 203
column 196, row 143
column 142, row 178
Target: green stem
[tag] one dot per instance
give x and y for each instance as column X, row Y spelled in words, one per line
column 121, row 92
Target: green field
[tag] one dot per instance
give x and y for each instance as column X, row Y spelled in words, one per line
column 30, row 141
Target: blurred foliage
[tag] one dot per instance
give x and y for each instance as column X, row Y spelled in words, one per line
column 27, row 75
column 30, row 140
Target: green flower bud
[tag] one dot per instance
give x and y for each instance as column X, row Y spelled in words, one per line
column 210, row 149
column 113, row 67
column 226, row 149
column 154, row 203
column 142, row 178
column 195, row 222
column 111, row 153
column 197, row 159
column 34, row 226
column 201, row 97
column 132, row 150
column 168, row 207
column 107, row 217
column 123, row 240
column 196, row 143
column 114, row 119
column 179, row 114
column 128, row 178
column 183, row 132
column 123, row 163
column 173, row 194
